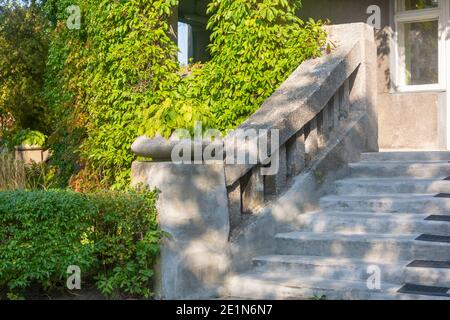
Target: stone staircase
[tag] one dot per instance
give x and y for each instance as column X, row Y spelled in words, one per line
column 391, row 214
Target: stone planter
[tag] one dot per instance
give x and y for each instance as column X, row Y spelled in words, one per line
column 31, row 154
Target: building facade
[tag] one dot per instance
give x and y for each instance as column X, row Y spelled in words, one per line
column 413, row 52
column 413, row 42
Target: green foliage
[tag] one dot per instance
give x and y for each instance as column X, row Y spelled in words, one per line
column 119, row 68
column 126, row 238
column 23, row 54
column 256, row 45
column 27, row 137
column 112, row 237
column 42, row 235
column 69, row 131
column 40, row 176
column 118, row 77
column 16, row 175
column 130, row 66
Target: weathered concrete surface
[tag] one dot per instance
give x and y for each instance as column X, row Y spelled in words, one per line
column 343, row 11
column 357, row 233
column 283, row 215
column 178, row 149
column 193, row 209
column 409, row 121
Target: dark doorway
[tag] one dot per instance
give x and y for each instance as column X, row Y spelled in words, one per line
column 193, row 34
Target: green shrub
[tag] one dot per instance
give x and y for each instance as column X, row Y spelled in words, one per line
column 121, row 63
column 126, row 237
column 112, row 237
column 42, row 234
column 24, row 43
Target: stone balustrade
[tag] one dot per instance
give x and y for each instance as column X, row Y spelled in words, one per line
column 311, row 113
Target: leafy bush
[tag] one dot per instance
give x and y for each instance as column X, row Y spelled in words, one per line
column 126, row 239
column 119, row 64
column 256, row 45
column 42, row 234
column 24, row 45
column 112, row 237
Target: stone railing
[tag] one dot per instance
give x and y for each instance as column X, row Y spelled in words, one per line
column 308, row 110
column 311, row 114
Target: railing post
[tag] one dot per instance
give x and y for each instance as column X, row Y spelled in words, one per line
column 252, row 188
column 192, row 209
column 345, row 99
column 312, row 141
column 295, row 149
column 275, row 184
column 235, row 204
column 336, row 110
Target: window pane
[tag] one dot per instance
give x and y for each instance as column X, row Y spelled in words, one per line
column 421, row 52
column 420, row 4
column 184, row 43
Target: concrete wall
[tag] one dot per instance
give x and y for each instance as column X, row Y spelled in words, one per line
column 193, row 212
column 406, row 120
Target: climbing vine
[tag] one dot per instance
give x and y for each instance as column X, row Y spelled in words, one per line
column 256, row 45
column 118, row 76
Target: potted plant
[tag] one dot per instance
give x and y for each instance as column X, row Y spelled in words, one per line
column 29, row 146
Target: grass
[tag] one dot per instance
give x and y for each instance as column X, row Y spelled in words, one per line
column 12, row 172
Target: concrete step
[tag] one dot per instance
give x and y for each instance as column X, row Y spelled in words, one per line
column 370, row 247
column 373, row 223
column 386, row 169
column 406, row 156
column 389, row 185
column 373, row 214
column 437, row 277
column 363, row 223
column 388, row 203
column 275, row 286
column 352, row 269
column 331, row 267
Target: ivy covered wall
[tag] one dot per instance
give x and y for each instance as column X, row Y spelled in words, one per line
column 117, row 77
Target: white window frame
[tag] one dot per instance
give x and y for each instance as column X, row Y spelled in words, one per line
column 441, row 14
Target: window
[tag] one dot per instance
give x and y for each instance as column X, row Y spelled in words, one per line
column 419, row 51
column 418, row 4
column 185, row 45
column 420, row 45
